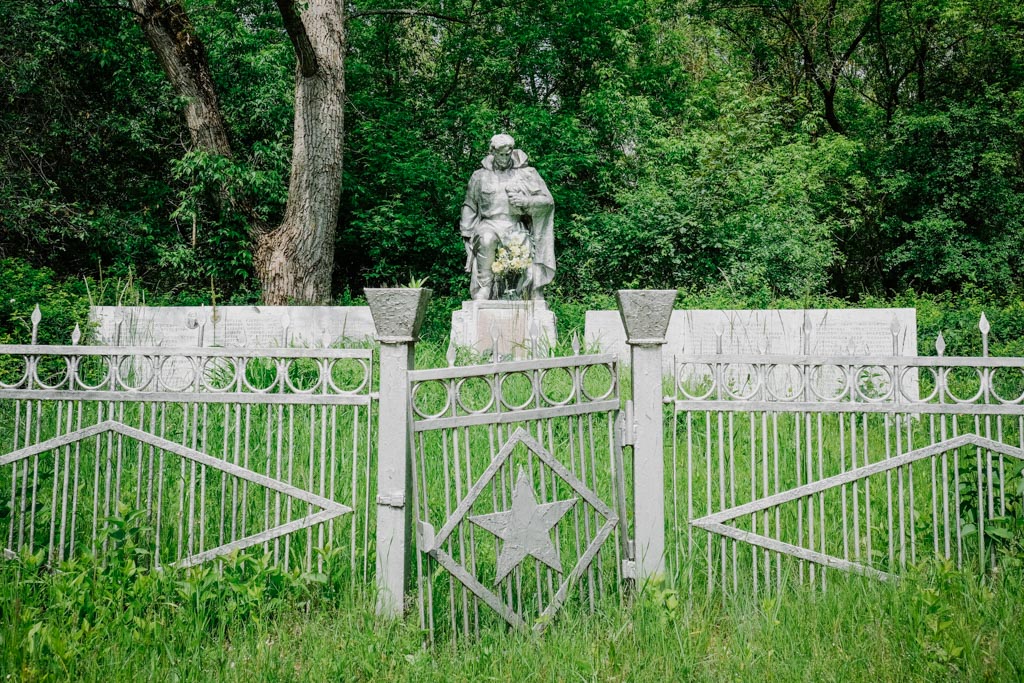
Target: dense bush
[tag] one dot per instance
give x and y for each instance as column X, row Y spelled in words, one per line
column 692, row 145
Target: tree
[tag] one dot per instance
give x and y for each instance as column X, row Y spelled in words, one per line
column 294, row 259
column 821, row 36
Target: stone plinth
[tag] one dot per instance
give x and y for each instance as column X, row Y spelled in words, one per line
column 514, row 324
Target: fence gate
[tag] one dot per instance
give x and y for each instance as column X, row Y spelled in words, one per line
column 785, row 467
column 519, row 491
column 192, row 453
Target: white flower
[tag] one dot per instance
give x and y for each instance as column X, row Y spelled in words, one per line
column 514, row 257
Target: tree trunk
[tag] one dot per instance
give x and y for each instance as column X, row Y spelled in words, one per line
column 183, row 58
column 831, row 117
column 294, row 261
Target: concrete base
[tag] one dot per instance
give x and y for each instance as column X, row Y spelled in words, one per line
column 514, row 324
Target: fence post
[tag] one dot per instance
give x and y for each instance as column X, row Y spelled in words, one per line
column 397, row 315
column 645, row 316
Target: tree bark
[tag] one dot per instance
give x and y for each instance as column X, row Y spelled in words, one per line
column 295, row 260
column 828, row 95
column 183, row 58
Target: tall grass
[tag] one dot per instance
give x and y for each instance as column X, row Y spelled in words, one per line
column 116, row 618
column 255, row 623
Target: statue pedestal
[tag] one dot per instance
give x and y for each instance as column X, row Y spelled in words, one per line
column 515, row 327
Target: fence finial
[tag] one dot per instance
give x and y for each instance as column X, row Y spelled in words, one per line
column 286, row 322
column 940, row 344
column 118, row 324
column 76, row 335
column 450, row 354
column 984, row 327
column 575, row 342
column 494, row 341
column 37, row 316
column 894, row 330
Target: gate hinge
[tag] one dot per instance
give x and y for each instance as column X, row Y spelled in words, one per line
column 627, row 426
column 628, row 569
column 394, row 500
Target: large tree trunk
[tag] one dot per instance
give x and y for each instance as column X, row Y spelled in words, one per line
column 183, row 58
column 295, row 260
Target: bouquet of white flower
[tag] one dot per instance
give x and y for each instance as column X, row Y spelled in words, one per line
column 510, row 265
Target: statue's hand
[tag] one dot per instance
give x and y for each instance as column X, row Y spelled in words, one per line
column 469, row 255
column 518, row 199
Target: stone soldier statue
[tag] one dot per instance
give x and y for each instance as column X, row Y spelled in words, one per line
column 507, row 204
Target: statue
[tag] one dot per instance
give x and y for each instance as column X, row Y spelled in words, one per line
column 507, row 226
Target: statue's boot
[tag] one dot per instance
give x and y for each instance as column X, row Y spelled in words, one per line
column 483, row 284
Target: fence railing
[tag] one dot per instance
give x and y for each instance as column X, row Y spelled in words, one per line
column 784, row 466
column 505, row 491
column 200, row 451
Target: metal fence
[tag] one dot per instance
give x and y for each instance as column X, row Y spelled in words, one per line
column 502, row 492
column 193, row 453
column 519, row 489
column 784, row 467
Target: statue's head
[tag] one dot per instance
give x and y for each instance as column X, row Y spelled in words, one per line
column 501, row 149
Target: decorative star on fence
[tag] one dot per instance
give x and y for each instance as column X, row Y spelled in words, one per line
column 525, row 528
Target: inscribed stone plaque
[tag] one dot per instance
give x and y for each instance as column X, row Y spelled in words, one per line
column 242, row 327
column 814, row 332
column 231, row 326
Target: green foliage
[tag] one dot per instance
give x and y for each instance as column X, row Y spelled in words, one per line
column 736, row 202
column 65, row 616
column 62, row 304
column 122, row 622
column 79, row 156
column 686, row 145
column 954, row 186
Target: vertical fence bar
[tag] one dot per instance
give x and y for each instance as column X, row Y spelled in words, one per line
column 397, row 315
column 645, row 316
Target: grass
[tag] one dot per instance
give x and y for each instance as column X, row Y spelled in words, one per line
column 935, row 624
column 250, row 620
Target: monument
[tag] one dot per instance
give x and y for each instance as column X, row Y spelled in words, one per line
column 507, row 228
